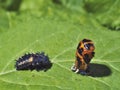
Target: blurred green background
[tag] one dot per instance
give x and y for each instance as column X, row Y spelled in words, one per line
column 56, row 27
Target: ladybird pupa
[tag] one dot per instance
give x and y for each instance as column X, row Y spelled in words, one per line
column 84, row 54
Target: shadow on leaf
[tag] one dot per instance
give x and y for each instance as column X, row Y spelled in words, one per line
column 99, row 70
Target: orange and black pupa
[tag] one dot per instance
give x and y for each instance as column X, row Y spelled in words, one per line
column 84, row 54
column 37, row 61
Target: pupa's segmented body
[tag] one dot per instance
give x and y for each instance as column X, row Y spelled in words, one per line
column 84, row 54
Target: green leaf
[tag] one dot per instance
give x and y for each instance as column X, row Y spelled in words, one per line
column 4, row 20
column 10, row 5
column 58, row 39
column 106, row 12
column 57, row 30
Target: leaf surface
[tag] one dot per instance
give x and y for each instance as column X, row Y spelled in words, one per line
column 58, row 34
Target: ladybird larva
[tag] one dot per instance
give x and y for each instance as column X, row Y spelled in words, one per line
column 37, row 61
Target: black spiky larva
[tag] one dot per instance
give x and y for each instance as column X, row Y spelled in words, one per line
column 37, row 61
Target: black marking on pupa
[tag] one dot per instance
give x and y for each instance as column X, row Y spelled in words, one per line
column 38, row 61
